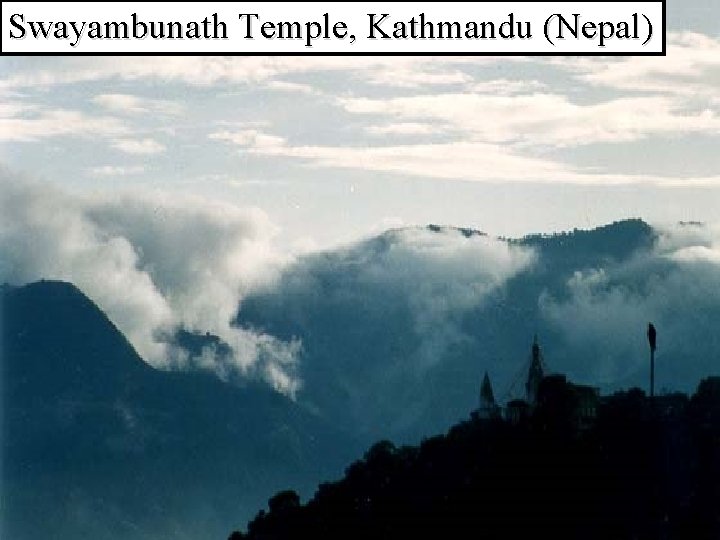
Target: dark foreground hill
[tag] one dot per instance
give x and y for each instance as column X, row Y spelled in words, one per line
column 643, row 470
column 98, row 445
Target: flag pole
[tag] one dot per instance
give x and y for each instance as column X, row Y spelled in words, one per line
column 652, row 373
column 652, row 341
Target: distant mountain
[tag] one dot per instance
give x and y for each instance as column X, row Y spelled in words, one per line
column 96, row 444
column 397, row 330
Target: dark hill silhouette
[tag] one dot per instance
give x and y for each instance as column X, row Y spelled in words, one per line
column 97, row 444
column 615, row 241
column 646, row 469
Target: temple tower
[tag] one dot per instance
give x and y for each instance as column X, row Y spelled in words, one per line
column 488, row 406
column 535, row 374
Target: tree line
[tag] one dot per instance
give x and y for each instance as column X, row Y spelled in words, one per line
column 643, row 469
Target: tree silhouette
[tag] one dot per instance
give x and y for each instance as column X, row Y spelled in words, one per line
column 641, row 470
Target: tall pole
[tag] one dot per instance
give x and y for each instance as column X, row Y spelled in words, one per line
column 652, row 373
column 652, row 340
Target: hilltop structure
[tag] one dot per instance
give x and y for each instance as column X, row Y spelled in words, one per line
column 535, row 374
column 489, row 408
column 553, row 393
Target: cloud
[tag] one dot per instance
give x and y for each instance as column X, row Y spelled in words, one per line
column 116, row 170
column 471, row 161
column 417, row 76
column 208, row 70
column 14, row 107
column 442, row 273
column 131, row 104
column 475, row 161
column 384, row 323
column 41, row 124
column 676, row 285
column 507, row 87
column 25, row 122
column 537, row 126
column 691, row 68
column 403, row 128
column 292, row 87
column 252, row 138
column 155, row 263
column 139, row 146
column 692, row 58
column 542, row 119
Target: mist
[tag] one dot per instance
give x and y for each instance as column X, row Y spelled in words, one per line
column 387, row 347
column 155, row 263
column 602, row 311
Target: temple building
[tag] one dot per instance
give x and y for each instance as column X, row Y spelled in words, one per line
column 535, row 374
column 577, row 403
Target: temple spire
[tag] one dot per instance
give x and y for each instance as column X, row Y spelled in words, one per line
column 488, row 406
column 535, row 373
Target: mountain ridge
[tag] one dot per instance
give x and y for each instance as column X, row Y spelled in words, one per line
column 105, row 446
column 434, row 307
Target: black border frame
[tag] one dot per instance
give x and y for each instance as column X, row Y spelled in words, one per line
column 663, row 52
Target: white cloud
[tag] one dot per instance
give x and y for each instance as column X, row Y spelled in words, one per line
column 116, row 170
column 10, row 108
column 443, row 275
column 56, row 123
column 154, row 263
column 292, row 87
column 475, row 161
column 428, row 279
column 468, row 118
column 691, row 57
column 690, row 68
column 543, row 119
column 207, row 70
column 249, row 138
column 131, row 104
column 139, row 146
column 414, row 76
column 404, row 128
column 507, row 87
column 471, row 161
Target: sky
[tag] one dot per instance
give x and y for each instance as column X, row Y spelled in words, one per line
column 333, row 149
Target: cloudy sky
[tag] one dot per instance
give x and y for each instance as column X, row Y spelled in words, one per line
column 334, row 148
